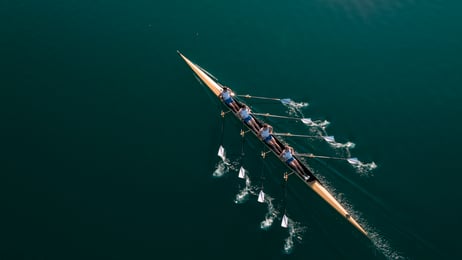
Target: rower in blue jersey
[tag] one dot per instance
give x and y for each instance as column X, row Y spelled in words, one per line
column 228, row 99
column 244, row 113
column 287, row 155
column 266, row 135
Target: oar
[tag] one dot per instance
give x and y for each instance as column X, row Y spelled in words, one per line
column 284, row 101
column 353, row 161
column 329, row 139
column 304, row 120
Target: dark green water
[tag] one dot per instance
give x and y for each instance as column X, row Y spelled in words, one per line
column 108, row 143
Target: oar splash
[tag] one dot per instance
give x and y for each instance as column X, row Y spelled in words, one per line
column 355, row 162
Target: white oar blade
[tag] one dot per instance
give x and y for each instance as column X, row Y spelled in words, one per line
column 221, row 152
column 285, row 101
column 329, row 139
column 353, row 161
column 261, row 197
column 307, row 121
column 285, row 221
column 242, row 173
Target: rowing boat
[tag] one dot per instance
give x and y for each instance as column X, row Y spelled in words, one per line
column 216, row 88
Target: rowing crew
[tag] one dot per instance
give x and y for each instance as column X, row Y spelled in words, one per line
column 265, row 132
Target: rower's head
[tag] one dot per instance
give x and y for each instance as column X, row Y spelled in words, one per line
column 265, row 125
column 225, row 89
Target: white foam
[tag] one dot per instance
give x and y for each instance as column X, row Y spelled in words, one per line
column 243, row 195
column 270, row 215
column 364, row 168
column 296, row 231
column 225, row 165
column 220, row 170
column 384, row 247
column 295, row 108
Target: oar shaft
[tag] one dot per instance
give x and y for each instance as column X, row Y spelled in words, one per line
column 271, row 115
column 294, row 135
column 309, row 155
column 255, row 97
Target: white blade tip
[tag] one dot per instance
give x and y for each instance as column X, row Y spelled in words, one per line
column 242, row 173
column 221, row 151
column 329, row 139
column 261, row 197
column 285, row 221
column 353, row 161
column 307, row 121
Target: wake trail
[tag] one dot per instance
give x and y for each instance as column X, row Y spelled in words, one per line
column 384, row 247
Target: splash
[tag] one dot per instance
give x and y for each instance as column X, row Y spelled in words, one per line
column 346, row 146
column 243, row 195
column 225, row 165
column 295, row 108
column 318, row 127
column 296, row 231
column 320, row 124
column 220, row 170
column 270, row 215
column 364, row 168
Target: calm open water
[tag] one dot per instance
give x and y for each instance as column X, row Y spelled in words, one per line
column 108, row 143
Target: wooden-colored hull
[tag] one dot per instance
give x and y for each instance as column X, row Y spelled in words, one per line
column 313, row 182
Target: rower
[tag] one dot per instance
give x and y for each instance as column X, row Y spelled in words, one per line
column 266, row 135
column 244, row 113
column 229, row 101
column 286, row 154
